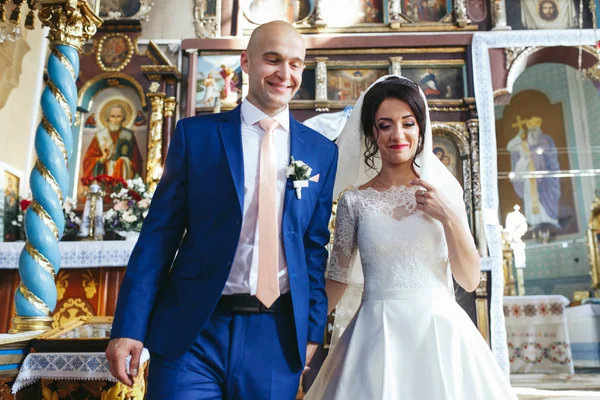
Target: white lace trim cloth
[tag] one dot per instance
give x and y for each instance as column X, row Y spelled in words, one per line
column 67, row 366
column 110, row 253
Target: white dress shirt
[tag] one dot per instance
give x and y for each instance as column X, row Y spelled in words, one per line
column 244, row 271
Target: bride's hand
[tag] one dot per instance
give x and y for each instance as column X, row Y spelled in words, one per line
column 432, row 202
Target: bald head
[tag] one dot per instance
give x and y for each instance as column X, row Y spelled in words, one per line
column 274, row 61
column 274, row 30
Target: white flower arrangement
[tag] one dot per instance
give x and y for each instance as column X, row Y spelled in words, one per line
column 72, row 221
column 130, row 207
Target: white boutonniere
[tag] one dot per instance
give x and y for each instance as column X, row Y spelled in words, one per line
column 299, row 172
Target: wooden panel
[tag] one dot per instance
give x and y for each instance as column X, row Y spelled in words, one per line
column 9, row 280
column 86, row 291
column 110, row 285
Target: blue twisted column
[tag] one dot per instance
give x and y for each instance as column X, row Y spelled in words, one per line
column 71, row 24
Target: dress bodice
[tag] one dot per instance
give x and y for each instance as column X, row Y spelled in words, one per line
column 399, row 246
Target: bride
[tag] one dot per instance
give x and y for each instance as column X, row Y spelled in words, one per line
column 405, row 215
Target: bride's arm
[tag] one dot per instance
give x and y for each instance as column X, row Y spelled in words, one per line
column 464, row 258
column 335, row 291
column 343, row 253
column 462, row 253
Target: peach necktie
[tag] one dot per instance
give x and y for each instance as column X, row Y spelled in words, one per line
column 267, row 290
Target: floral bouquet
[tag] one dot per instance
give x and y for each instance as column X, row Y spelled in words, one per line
column 72, row 221
column 106, row 183
column 129, row 208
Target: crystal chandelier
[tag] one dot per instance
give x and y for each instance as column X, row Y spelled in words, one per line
column 10, row 30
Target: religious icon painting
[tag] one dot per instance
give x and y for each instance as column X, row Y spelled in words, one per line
column 116, row 143
column 347, row 84
column 308, row 89
column 119, row 9
column 10, row 215
column 219, row 79
column 448, row 153
column 262, row 11
column 547, row 14
column 114, row 52
column 426, row 10
column 438, row 82
column 356, row 12
column 532, row 155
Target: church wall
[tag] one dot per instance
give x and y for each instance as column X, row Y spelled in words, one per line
column 170, row 20
column 592, row 103
column 20, row 115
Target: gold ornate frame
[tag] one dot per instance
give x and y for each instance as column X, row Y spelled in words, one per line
column 593, row 231
column 155, row 133
column 142, row 14
column 207, row 26
column 123, row 64
column 393, row 64
column 393, row 20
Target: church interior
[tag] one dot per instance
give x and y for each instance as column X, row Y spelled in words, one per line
column 511, row 85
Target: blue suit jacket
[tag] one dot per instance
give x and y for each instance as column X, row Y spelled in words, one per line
column 173, row 281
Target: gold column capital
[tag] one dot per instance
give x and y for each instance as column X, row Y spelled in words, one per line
column 170, row 104
column 71, row 22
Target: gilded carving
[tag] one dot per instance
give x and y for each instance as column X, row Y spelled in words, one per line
column 71, row 309
column 71, row 24
column 170, row 105
column 318, row 14
column 473, row 127
column 499, row 15
column 511, row 54
column 89, row 284
column 62, row 283
column 136, row 392
column 394, row 10
column 462, row 20
column 154, row 165
column 207, row 21
column 395, row 65
column 321, row 79
column 115, row 51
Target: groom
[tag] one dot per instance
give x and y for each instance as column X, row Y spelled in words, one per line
column 225, row 286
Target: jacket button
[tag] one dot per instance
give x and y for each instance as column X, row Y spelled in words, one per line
column 239, row 223
column 229, row 263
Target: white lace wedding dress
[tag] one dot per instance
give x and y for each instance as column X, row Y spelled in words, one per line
column 409, row 340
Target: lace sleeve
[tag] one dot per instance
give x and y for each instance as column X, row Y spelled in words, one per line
column 344, row 249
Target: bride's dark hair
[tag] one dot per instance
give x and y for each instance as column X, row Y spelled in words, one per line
column 391, row 88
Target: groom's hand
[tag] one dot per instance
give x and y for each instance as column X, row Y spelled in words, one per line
column 310, row 352
column 116, row 354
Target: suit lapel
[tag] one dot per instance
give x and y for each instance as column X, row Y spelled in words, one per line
column 299, row 150
column 231, row 135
